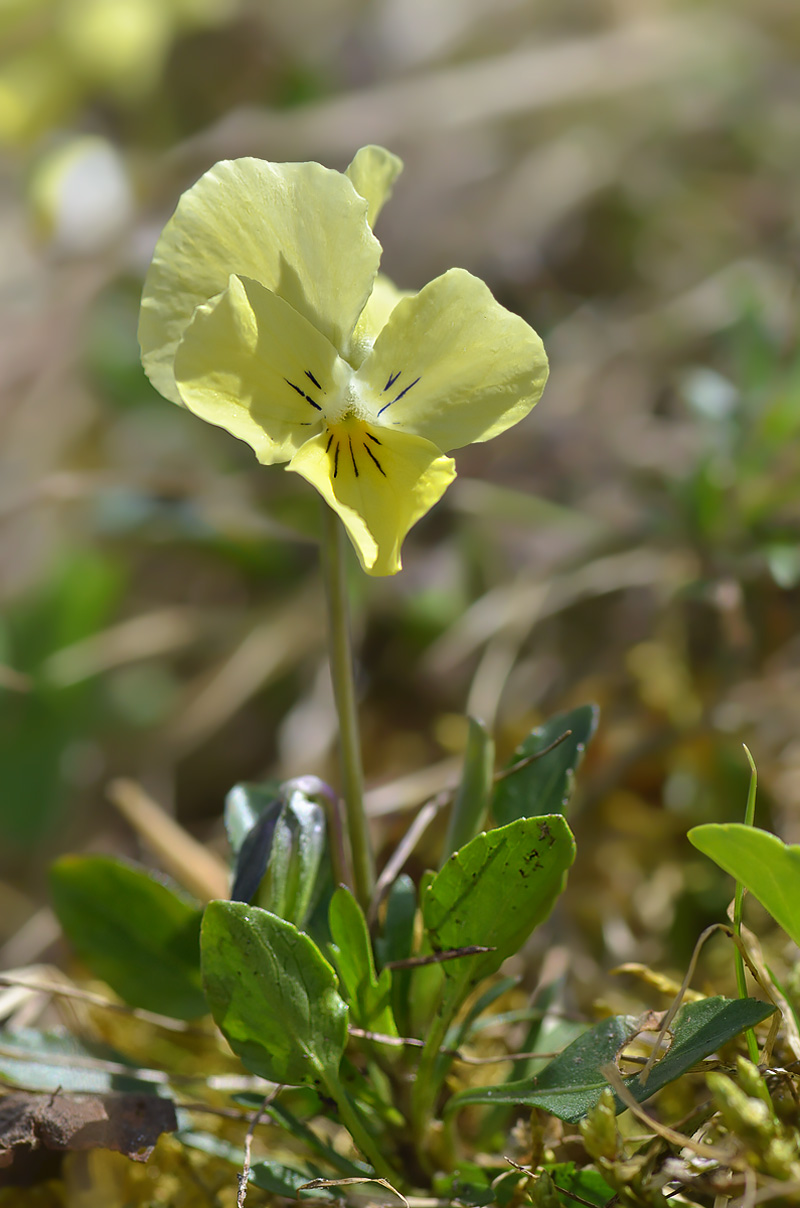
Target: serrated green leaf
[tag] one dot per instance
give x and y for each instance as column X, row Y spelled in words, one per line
column 134, row 931
column 493, row 892
column 272, row 994
column 367, row 995
column 571, row 1085
column 765, row 865
column 545, row 786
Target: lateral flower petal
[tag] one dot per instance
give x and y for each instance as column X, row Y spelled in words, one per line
column 380, row 482
column 299, row 229
column 454, row 366
column 251, row 364
column 373, row 171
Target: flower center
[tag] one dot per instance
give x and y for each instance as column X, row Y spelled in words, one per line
column 346, row 400
column 353, row 449
column 334, row 399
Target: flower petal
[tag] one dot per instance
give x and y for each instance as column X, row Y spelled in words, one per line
column 373, row 171
column 453, row 365
column 299, row 229
column 380, row 482
column 251, row 364
column 380, row 304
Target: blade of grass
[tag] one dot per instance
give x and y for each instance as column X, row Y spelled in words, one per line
column 741, row 983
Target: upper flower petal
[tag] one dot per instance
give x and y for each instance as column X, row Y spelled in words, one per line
column 299, row 229
column 251, row 364
column 380, row 482
column 380, row 304
column 373, row 170
column 453, row 365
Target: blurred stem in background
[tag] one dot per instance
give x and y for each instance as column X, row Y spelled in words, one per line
column 341, row 661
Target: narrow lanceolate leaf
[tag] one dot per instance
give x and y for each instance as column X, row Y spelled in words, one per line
column 493, row 892
column 571, row 1085
column 396, row 944
column 57, row 1061
column 282, row 1117
column 273, row 995
column 545, row 785
column 368, row 996
column 271, row 1175
column 765, row 865
column 471, row 804
column 133, row 931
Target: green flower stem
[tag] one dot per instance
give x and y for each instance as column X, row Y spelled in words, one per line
column 341, row 660
column 741, row 983
column 351, row 1119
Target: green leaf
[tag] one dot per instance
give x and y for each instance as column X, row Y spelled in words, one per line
column 425, row 987
column 469, row 1023
column 133, row 931
column 285, row 1181
column 471, row 803
column 54, row 1061
column 493, row 892
column 699, row 1029
column 396, row 943
column 466, row 1023
column 273, row 995
column 545, row 786
column 269, row 1175
column 469, row 1184
column 40, row 634
column 571, row 1085
column 368, row 996
column 477, row 1186
column 765, row 865
column 287, row 1120
column 585, row 1185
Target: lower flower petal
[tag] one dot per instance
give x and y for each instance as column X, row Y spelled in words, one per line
column 251, row 364
column 379, row 482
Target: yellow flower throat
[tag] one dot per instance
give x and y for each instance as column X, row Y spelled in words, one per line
column 352, row 443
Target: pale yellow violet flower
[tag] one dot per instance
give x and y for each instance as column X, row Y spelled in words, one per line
column 263, row 312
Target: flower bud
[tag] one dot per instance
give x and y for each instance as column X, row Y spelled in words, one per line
column 281, row 863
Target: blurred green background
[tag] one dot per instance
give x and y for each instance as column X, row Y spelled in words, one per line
column 624, row 174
